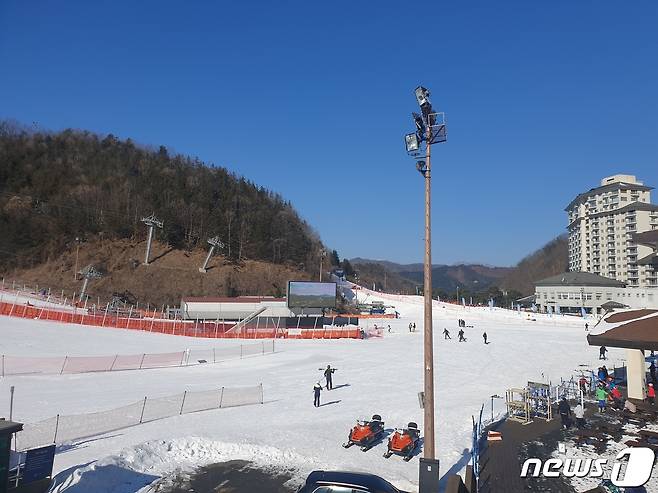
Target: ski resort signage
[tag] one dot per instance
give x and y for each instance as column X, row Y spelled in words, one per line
column 638, row 467
column 305, row 294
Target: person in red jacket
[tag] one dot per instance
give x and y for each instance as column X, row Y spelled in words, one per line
column 651, row 394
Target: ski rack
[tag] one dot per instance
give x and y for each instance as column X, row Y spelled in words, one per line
column 540, row 402
column 518, row 405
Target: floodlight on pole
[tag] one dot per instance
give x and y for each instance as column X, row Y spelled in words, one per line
column 430, row 130
column 412, row 143
column 88, row 273
column 422, row 96
column 151, row 222
column 214, row 242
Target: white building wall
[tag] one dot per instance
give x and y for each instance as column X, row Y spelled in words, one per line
column 591, row 298
column 600, row 233
column 209, row 310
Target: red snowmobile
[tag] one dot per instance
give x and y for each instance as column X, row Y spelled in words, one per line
column 404, row 442
column 366, row 433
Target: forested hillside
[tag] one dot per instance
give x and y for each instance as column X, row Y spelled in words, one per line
column 548, row 261
column 55, row 187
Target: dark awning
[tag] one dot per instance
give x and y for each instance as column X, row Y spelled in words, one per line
column 611, row 305
column 635, row 334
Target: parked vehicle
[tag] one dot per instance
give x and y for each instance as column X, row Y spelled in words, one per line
column 346, row 482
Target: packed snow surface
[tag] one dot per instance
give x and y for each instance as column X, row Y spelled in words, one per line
column 379, row 375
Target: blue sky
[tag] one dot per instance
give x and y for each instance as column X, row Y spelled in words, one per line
column 311, row 99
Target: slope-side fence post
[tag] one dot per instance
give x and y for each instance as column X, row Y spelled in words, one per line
column 183, row 403
column 141, row 417
column 56, row 429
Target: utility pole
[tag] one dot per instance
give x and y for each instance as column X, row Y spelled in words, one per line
column 214, row 242
column 323, row 254
column 430, row 129
column 151, row 222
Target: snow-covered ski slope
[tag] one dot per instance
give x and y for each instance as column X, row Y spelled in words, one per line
column 380, row 376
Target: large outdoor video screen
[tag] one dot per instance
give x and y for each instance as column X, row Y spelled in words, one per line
column 305, row 294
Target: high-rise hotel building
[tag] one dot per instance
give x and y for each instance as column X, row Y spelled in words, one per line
column 603, row 223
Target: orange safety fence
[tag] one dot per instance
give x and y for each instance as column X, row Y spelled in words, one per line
column 173, row 327
column 371, row 315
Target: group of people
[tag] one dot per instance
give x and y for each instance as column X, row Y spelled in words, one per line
column 565, row 414
column 317, row 388
column 412, row 327
column 462, row 337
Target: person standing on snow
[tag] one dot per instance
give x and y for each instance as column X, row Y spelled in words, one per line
column 317, row 388
column 579, row 413
column 327, row 375
column 601, row 396
column 461, row 335
column 565, row 411
column 651, row 394
column 602, row 352
column 484, row 336
column 446, row 333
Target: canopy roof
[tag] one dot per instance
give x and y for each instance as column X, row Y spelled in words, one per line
column 632, row 329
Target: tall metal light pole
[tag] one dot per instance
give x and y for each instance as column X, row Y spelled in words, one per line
column 430, row 129
column 323, row 254
column 77, row 251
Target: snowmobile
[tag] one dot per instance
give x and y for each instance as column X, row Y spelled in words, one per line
column 366, row 433
column 404, row 442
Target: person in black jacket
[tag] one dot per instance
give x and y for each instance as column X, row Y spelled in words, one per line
column 327, row 375
column 484, row 336
column 461, row 335
column 565, row 412
column 652, row 372
column 446, row 333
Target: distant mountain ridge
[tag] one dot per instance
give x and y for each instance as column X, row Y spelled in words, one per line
column 447, row 277
column 549, row 260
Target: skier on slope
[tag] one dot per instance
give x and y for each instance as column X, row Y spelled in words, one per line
column 328, row 372
column 484, row 336
column 317, row 388
column 446, row 333
column 461, row 335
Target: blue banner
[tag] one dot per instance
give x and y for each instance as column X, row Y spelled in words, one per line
column 39, row 463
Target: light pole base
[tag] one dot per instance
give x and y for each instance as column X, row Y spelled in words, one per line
column 202, row 270
column 428, row 476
